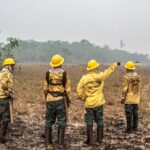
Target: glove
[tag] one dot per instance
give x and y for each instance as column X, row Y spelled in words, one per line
column 10, row 96
column 122, row 101
column 118, row 63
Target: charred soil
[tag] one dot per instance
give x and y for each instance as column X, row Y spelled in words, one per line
column 26, row 132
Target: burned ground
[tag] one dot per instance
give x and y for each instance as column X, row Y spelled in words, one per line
column 29, row 103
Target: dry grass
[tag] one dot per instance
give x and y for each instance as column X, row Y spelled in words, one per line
column 29, row 95
column 30, row 111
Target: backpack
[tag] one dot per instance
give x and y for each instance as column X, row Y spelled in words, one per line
column 63, row 80
column 55, row 93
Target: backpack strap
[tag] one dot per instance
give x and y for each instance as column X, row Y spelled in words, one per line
column 64, row 78
column 47, row 77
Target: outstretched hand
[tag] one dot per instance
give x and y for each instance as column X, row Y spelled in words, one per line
column 118, row 63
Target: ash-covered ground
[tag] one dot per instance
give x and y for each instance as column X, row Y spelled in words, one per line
column 26, row 134
column 29, row 113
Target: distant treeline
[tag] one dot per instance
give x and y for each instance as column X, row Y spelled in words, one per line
column 74, row 53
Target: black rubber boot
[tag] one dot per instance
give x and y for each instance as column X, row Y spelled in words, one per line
column 61, row 135
column 48, row 138
column 135, row 123
column 89, row 140
column 129, row 126
column 100, row 134
column 43, row 135
column 3, row 131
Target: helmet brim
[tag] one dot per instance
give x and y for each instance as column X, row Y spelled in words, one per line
column 96, row 66
column 57, row 65
column 129, row 68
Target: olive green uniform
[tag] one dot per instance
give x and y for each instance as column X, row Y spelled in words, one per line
column 90, row 90
column 6, row 89
column 131, row 97
column 55, row 103
column 56, row 89
column 56, row 109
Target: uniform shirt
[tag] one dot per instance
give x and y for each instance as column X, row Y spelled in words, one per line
column 6, row 83
column 90, row 87
column 131, row 88
column 56, row 76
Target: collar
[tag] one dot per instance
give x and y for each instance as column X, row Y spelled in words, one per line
column 56, row 70
column 132, row 74
column 93, row 71
column 5, row 69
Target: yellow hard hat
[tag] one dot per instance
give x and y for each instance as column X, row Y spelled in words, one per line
column 92, row 64
column 56, row 61
column 9, row 61
column 130, row 65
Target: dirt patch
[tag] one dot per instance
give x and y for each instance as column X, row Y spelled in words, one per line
column 28, row 127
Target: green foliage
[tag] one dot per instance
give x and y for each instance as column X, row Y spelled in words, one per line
column 74, row 53
column 7, row 49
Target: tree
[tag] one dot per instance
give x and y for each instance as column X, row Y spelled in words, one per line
column 6, row 49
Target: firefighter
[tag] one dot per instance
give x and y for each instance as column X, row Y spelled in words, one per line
column 56, row 90
column 6, row 96
column 131, row 96
column 90, row 90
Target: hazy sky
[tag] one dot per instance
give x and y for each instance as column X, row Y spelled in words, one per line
column 99, row 21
